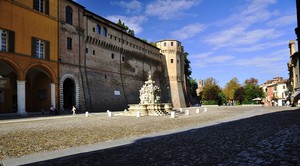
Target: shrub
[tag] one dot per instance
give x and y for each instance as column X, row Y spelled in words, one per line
column 210, row 102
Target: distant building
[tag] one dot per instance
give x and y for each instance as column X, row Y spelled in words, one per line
column 200, row 88
column 276, row 92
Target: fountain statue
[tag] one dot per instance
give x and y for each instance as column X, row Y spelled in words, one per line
column 150, row 103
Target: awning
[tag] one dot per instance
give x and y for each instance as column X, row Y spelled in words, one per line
column 295, row 94
column 257, row 99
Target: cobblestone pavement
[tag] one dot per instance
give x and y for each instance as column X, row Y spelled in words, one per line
column 269, row 139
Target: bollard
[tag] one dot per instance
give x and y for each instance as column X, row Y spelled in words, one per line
column 197, row 111
column 173, row 114
column 180, row 109
column 86, row 114
column 109, row 113
column 187, row 112
column 138, row 114
column 205, row 109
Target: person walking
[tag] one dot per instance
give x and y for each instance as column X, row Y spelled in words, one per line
column 74, row 110
column 51, row 110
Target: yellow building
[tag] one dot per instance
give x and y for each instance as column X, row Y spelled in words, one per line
column 28, row 55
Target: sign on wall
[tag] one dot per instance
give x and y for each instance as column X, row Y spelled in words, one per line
column 117, row 93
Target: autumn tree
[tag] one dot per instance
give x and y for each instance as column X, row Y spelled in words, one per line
column 211, row 89
column 230, row 88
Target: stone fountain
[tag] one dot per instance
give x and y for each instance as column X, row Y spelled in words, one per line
column 150, row 103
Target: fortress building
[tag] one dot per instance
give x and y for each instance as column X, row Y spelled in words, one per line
column 173, row 51
column 59, row 53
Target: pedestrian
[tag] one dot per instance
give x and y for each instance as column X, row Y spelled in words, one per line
column 74, row 110
column 51, row 110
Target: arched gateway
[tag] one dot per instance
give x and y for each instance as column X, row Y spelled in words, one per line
column 69, row 92
column 8, row 88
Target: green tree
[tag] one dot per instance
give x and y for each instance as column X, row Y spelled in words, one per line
column 230, row 88
column 187, row 66
column 211, row 89
column 193, row 87
column 122, row 24
column 239, row 94
column 252, row 89
column 153, row 43
column 221, row 98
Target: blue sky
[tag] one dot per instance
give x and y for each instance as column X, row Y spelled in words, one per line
column 224, row 38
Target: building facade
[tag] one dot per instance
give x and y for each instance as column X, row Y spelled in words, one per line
column 28, row 55
column 276, row 92
column 294, row 71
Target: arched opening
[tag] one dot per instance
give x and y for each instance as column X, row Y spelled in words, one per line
column 8, row 89
column 69, row 93
column 69, row 15
column 38, row 90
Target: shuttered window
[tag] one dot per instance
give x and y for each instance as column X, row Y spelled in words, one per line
column 40, row 48
column 7, row 40
column 41, row 6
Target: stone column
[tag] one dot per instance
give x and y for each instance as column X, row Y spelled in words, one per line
column 21, row 97
column 53, row 95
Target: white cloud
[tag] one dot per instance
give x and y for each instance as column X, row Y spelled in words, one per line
column 169, row 9
column 219, row 59
column 134, row 23
column 261, row 46
column 205, row 59
column 283, row 21
column 240, row 29
column 188, row 31
column 237, row 36
column 273, row 61
column 254, row 11
column 201, row 55
column 133, row 6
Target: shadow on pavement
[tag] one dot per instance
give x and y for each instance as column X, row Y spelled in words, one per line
column 200, row 146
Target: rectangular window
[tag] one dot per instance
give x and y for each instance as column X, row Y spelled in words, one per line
column 172, row 60
column 86, row 50
column 171, row 43
column 40, row 48
column 7, row 40
column 283, row 87
column 123, row 59
column 3, row 41
column 165, row 44
column 41, row 6
column 69, row 43
column 94, row 52
column 112, row 56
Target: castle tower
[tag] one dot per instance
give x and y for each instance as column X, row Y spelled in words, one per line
column 173, row 52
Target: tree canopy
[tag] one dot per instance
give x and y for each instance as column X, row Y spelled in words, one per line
column 211, row 89
column 230, row 88
column 129, row 31
column 187, row 66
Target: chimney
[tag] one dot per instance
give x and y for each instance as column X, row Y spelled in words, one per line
column 292, row 47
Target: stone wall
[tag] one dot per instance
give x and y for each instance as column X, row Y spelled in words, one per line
column 107, row 65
